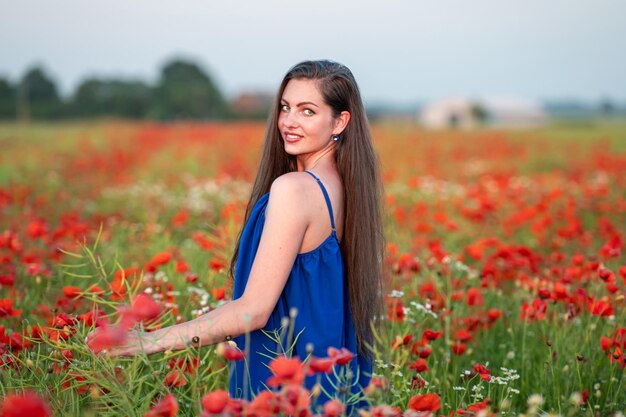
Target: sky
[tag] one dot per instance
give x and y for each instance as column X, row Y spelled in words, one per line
column 399, row 51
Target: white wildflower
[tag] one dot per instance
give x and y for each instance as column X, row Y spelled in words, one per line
column 535, row 401
column 576, row 398
column 396, row 294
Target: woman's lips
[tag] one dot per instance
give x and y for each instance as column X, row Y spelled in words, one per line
column 290, row 137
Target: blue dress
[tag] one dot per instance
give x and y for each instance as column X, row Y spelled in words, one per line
column 317, row 290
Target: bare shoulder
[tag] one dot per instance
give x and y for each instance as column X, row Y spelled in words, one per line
column 291, row 193
column 292, row 181
column 292, row 185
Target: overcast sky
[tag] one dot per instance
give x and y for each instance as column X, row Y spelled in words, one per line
column 399, row 51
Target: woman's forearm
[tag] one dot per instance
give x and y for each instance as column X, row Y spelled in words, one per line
column 229, row 320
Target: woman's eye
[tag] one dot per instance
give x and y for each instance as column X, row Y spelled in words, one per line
column 284, row 107
column 309, row 112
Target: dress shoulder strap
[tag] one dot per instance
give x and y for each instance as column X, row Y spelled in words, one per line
column 330, row 207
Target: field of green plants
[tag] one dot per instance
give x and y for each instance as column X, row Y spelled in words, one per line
column 505, row 271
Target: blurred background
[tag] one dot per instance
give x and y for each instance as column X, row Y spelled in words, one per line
column 437, row 64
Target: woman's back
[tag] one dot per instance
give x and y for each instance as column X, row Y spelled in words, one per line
column 315, row 296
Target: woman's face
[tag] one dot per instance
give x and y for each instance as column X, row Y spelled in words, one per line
column 305, row 122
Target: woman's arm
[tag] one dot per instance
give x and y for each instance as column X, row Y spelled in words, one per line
column 286, row 219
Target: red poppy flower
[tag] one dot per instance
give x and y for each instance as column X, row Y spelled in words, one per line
column 475, row 250
column 395, row 310
column 425, row 351
column 482, row 371
column 77, row 381
column 218, row 293
column 72, row 292
column 601, row 308
column 406, row 263
column 22, row 405
column 401, row 341
column 462, row 335
column 419, row 365
column 341, row 357
column 456, row 295
column 619, row 337
column 431, row 334
column 6, row 308
column 36, row 229
column 144, row 307
column 286, row 371
column 107, row 337
column 181, row 266
column 425, row 402
column 385, row 411
column 333, row 408
column 62, row 320
column 296, row 401
column 236, row 406
column 202, row 241
column 618, row 356
column 266, row 404
column 180, row 218
column 479, row 406
column 96, row 290
column 474, row 297
column 535, row 311
column 161, row 258
column 375, row 384
column 191, row 278
column 417, row 382
column 217, row 264
column 543, row 293
column 167, row 407
column 7, row 279
column 494, row 314
column 320, row 365
column 605, row 274
column 215, row 402
column 175, row 378
column 229, row 352
column 97, row 317
column 458, row 348
column 611, row 287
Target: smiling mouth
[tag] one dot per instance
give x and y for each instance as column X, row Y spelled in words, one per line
column 289, row 137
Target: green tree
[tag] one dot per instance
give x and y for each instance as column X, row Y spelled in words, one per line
column 607, row 107
column 95, row 97
column 38, row 96
column 186, row 91
column 479, row 113
column 7, row 100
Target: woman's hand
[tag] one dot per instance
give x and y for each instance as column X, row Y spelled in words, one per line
column 119, row 342
column 136, row 343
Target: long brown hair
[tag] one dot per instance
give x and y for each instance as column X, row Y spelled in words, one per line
column 362, row 244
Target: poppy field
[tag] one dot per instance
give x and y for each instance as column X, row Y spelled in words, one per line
column 505, row 271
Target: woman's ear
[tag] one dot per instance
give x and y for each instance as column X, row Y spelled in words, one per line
column 341, row 122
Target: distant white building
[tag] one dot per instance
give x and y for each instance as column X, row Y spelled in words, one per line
column 466, row 113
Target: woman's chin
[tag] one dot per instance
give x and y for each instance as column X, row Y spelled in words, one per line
column 290, row 149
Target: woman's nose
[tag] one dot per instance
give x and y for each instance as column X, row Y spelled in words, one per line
column 289, row 119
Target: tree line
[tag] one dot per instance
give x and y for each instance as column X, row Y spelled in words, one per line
column 183, row 91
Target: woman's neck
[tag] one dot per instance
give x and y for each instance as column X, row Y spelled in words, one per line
column 323, row 159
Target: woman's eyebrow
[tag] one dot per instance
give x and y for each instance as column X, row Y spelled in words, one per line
column 300, row 104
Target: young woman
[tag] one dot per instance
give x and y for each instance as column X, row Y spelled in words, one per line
column 311, row 248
